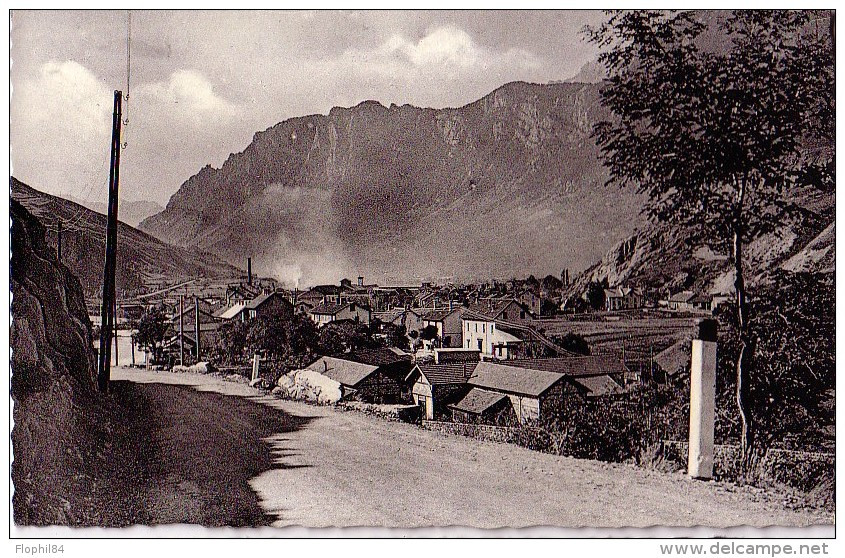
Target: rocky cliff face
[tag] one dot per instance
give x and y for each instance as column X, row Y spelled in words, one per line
column 658, row 257
column 53, row 379
column 508, row 184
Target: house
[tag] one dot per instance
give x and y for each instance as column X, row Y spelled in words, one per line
column 702, row 303
column 436, row 385
column 234, row 312
column 681, row 301
column 479, row 406
column 670, row 362
column 319, row 294
column 481, row 332
column 500, row 339
column 209, row 334
column 448, row 324
column 446, row 355
column 533, row 394
column 268, row 304
column 599, row 375
column 241, row 293
column 365, row 382
column 331, row 312
column 190, row 312
column 505, row 309
column 622, row 298
column 531, row 301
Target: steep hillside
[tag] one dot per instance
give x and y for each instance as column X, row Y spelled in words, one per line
column 131, row 212
column 140, row 256
column 507, row 184
column 58, row 417
column 658, row 258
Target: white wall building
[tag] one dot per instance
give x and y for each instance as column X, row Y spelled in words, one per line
column 483, row 335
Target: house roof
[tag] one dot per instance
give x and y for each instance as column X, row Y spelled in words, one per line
column 451, row 373
column 683, row 296
column 189, row 312
column 258, row 301
column 617, row 292
column 345, row 372
column 674, row 359
column 593, row 365
column 378, row 357
column 598, row 385
column 390, row 316
column 477, row 401
column 440, row 315
column 231, row 312
column 513, row 379
column 493, row 307
column 329, row 308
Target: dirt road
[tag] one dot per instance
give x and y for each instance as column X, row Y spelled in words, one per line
column 332, row 468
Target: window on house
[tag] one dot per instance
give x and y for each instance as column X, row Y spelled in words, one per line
column 483, row 328
column 504, row 315
column 522, row 314
column 480, row 345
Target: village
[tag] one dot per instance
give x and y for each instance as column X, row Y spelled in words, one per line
column 498, row 352
column 433, row 268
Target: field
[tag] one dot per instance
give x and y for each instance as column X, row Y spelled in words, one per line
column 636, row 337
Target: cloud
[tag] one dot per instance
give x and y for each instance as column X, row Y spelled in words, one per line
column 190, row 95
column 445, row 48
column 61, row 124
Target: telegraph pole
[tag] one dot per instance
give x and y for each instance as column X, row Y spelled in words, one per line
column 104, row 368
column 197, row 324
column 116, row 359
column 181, row 334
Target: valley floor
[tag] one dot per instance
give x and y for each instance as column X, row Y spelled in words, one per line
column 220, row 453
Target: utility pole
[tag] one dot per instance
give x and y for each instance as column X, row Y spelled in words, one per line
column 59, row 244
column 181, row 333
column 104, row 368
column 197, row 324
column 116, row 359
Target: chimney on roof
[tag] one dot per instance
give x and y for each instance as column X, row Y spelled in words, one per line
column 249, row 271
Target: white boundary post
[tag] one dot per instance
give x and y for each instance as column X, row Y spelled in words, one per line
column 702, row 401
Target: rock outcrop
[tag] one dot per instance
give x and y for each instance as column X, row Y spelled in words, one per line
column 53, row 382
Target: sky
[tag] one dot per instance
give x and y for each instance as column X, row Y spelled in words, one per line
column 201, row 84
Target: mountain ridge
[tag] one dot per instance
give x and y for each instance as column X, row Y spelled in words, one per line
column 140, row 255
column 513, row 180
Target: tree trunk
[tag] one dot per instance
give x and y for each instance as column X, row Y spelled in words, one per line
column 743, row 379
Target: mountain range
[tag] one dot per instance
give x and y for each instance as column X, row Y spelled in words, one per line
column 507, row 185
column 141, row 258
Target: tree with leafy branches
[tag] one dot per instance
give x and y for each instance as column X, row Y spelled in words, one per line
column 714, row 121
column 151, row 331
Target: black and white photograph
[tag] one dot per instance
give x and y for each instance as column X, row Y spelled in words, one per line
column 423, row 273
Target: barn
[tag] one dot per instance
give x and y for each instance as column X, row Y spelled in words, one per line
column 364, row 382
column 534, row 394
column 480, row 406
column 434, row 386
